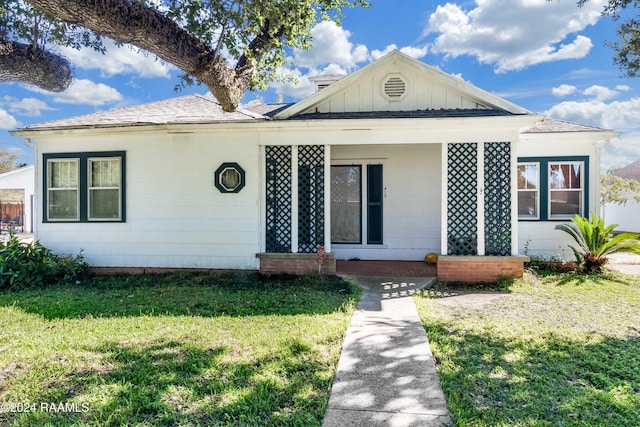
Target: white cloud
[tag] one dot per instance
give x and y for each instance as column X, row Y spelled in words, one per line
column 412, row 51
column 331, row 45
column 514, row 34
column 621, row 116
column 296, row 85
column 31, row 107
column 563, row 90
column 620, row 151
column 623, row 88
column 86, row 92
column 124, row 59
column 600, row 93
column 7, row 121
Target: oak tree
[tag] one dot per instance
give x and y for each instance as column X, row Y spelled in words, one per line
column 231, row 46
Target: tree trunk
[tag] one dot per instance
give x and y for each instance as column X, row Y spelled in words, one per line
column 29, row 64
column 128, row 21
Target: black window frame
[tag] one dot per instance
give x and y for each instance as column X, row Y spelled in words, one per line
column 83, row 185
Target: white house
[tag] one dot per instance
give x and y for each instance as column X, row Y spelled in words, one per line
column 392, row 162
column 17, row 190
column 626, row 216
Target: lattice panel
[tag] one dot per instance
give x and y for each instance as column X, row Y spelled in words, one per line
column 278, row 206
column 497, row 198
column 462, row 199
column 310, row 198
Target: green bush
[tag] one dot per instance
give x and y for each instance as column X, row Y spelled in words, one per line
column 33, row 265
column 595, row 241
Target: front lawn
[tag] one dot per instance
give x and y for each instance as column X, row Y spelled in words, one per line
column 555, row 350
column 188, row 350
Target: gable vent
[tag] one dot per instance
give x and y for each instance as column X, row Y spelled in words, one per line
column 394, row 87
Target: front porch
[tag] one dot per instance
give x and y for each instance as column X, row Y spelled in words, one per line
column 389, row 205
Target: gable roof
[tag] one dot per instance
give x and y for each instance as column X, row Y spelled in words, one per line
column 390, row 61
column 183, row 109
column 631, row 171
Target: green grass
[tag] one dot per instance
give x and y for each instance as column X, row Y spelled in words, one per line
column 174, row 350
column 555, row 350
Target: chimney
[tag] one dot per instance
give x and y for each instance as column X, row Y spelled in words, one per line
column 321, row 82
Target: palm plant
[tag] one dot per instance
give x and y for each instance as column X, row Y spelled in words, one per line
column 595, row 241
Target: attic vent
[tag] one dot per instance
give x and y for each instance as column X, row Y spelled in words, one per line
column 322, row 86
column 394, row 87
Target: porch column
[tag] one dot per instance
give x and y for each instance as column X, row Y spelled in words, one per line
column 514, row 198
column 480, row 190
column 444, row 201
column 327, row 198
column 294, row 199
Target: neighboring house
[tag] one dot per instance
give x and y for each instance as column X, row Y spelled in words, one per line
column 17, row 189
column 627, row 216
column 392, row 162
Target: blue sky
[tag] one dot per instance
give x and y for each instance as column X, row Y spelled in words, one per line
column 548, row 57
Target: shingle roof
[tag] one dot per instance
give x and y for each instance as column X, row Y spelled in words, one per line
column 631, row 171
column 191, row 109
column 184, row 109
column 548, row 125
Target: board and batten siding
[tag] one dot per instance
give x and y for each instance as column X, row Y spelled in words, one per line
column 175, row 216
column 412, row 181
column 422, row 93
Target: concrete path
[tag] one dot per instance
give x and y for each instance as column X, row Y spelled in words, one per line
column 625, row 263
column 386, row 374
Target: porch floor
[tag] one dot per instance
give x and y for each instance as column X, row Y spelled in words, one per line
column 385, row 268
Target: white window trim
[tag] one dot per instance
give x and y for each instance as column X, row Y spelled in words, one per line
column 51, row 189
column 537, row 190
column 581, row 190
column 89, row 188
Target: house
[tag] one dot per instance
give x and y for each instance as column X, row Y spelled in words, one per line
column 17, row 189
column 392, row 162
column 626, row 216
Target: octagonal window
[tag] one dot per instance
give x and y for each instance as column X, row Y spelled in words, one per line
column 229, row 178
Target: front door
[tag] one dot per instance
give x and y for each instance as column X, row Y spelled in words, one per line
column 356, row 204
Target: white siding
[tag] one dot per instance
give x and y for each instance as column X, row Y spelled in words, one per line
column 412, row 203
column 175, row 217
column 423, row 93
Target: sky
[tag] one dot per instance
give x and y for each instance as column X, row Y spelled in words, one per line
column 548, row 57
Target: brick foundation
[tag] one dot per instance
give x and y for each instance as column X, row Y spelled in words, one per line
column 476, row 269
column 271, row 263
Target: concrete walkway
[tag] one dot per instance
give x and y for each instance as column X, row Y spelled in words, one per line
column 386, row 374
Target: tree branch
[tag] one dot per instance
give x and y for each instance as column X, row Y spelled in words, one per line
column 32, row 65
column 129, row 21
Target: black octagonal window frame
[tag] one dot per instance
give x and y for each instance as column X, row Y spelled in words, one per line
column 218, row 177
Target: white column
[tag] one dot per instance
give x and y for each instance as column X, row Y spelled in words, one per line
column 262, row 173
column 480, row 192
column 294, row 199
column 444, row 200
column 327, row 198
column 514, row 195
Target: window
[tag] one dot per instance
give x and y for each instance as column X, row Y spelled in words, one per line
column 230, row 178
column 83, row 187
column 528, row 190
column 566, row 189
column 552, row 188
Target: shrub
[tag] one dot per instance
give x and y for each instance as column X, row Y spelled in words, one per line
column 596, row 241
column 33, row 265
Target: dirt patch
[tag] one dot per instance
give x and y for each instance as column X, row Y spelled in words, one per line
column 469, row 299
